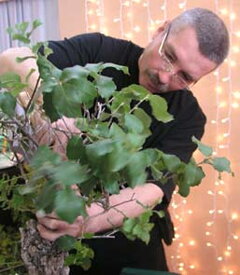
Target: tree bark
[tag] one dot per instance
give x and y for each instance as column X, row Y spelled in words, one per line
column 41, row 257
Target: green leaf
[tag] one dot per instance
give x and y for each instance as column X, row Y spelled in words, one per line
column 111, row 184
column 44, row 156
column 138, row 227
column 36, row 23
column 117, row 132
column 49, row 74
column 105, row 85
column 159, row 108
column 145, row 119
column 142, row 231
column 98, row 129
column 151, row 156
column 99, row 67
column 144, row 217
column 136, row 92
column 69, row 206
column 74, row 72
column 94, row 67
column 204, row 149
column 124, row 69
column 76, row 149
column 50, row 108
column 193, row 174
column 66, row 242
column 22, row 27
column 135, row 141
column 118, row 158
column 88, row 235
column 7, row 103
column 83, row 124
column 171, row 162
column 87, row 186
column 64, row 103
column 135, row 169
column 156, row 172
column 160, row 213
column 69, row 173
column 9, row 79
column 121, row 103
column 45, row 200
column 221, row 164
column 133, row 124
column 183, row 188
column 99, row 148
column 80, row 90
column 82, row 257
column 12, row 83
column 21, row 37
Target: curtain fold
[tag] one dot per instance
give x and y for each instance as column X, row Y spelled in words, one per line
column 17, row 11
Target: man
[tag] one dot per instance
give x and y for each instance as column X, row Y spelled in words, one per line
column 181, row 53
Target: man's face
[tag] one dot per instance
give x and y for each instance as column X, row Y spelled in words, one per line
column 187, row 64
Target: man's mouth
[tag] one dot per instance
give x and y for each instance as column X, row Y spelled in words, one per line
column 155, row 85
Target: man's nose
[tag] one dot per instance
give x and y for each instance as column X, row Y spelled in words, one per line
column 164, row 77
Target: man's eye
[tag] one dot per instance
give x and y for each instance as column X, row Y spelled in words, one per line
column 186, row 77
column 169, row 57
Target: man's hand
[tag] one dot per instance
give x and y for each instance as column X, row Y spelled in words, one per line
column 124, row 204
column 51, row 228
column 56, row 134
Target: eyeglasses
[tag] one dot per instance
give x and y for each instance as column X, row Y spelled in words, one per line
column 168, row 66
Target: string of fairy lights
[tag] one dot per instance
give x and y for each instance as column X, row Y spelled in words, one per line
column 136, row 20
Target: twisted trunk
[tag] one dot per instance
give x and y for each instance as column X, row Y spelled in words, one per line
column 41, row 257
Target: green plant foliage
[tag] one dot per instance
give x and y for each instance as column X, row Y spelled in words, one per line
column 82, row 256
column 138, row 227
column 104, row 157
column 221, row 164
column 204, row 149
column 7, row 103
column 10, row 260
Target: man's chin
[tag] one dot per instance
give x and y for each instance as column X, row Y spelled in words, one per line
column 159, row 90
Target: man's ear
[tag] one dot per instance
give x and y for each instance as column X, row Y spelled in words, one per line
column 161, row 29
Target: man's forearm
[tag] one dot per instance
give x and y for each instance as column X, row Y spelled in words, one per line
column 122, row 205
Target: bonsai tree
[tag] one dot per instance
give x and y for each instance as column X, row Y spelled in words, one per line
column 99, row 133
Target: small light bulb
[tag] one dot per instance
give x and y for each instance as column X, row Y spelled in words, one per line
column 192, row 243
column 224, row 11
column 227, row 253
column 236, row 95
column 235, row 105
column 234, row 216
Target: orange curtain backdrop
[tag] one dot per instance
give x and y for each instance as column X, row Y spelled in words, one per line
column 207, row 223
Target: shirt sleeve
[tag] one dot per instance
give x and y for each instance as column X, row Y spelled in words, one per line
column 77, row 50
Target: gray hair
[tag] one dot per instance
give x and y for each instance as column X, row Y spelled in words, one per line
column 212, row 34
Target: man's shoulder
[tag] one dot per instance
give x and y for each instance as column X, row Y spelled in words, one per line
column 100, row 37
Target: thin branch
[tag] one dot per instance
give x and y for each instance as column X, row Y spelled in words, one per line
column 9, row 268
column 33, row 94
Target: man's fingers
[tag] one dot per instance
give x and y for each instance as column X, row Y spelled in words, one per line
column 53, row 224
column 47, row 234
